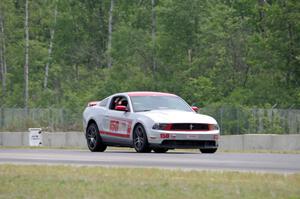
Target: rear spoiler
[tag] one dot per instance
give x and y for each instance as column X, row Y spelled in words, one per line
column 93, row 103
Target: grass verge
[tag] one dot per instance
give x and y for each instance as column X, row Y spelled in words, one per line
column 99, row 182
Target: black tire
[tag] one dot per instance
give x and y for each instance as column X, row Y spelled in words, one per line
column 140, row 141
column 208, row 150
column 93, row 139
column 160, row 150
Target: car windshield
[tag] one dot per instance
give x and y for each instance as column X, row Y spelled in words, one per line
column 148, row 103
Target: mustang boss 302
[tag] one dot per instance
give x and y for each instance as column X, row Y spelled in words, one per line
column 148, row 121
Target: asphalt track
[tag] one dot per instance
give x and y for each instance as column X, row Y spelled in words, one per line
column 254, row 162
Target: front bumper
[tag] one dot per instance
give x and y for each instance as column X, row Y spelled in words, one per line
column 184, row 139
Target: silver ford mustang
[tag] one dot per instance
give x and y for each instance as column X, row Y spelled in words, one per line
column 148, row 121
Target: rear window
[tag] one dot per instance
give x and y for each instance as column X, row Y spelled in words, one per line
column 103, row 102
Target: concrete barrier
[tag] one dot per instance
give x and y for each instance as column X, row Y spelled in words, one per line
column 64, row 139
column 260, row 142
column 227, row 142
column 57, row 139
column 14, row 138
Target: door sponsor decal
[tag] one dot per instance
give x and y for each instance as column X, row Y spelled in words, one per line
column 114, row 125
column 118, row 127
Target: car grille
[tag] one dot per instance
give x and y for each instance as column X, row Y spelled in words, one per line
column 189, row 143
column 190, row 127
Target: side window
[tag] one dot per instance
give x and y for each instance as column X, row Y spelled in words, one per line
column 103, row 102
column 118, row 100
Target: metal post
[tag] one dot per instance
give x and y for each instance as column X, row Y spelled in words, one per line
column 221, row 120
column 2, row 118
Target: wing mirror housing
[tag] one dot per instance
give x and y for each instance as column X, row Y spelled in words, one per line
column 121, row 108
column 195, row 108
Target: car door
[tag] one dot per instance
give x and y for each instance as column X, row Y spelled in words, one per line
column 117, row 125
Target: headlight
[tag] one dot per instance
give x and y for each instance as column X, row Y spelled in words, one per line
column 213, row 127
column 162, row 126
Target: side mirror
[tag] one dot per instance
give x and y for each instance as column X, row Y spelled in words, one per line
column 195, row 108
column 121, row 108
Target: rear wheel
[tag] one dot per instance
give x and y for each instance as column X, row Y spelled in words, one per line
column 93, row 139
column 160, row 150
column 140, row 141
column 208, row 150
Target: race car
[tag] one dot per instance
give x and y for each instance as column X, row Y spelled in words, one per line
column 148, row 121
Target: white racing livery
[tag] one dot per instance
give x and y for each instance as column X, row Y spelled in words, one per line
column 148, row 121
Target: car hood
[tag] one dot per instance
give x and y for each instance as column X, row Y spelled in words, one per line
column 176, row 116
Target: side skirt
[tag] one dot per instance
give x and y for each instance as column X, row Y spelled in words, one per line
column 118, row 144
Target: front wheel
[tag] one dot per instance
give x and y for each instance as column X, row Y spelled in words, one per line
column 208, row 150
column 140, row 141
column 93, row 139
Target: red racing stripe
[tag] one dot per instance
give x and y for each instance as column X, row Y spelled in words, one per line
column 114, row 134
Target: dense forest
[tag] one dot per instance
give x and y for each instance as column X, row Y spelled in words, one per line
column 64, row 53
